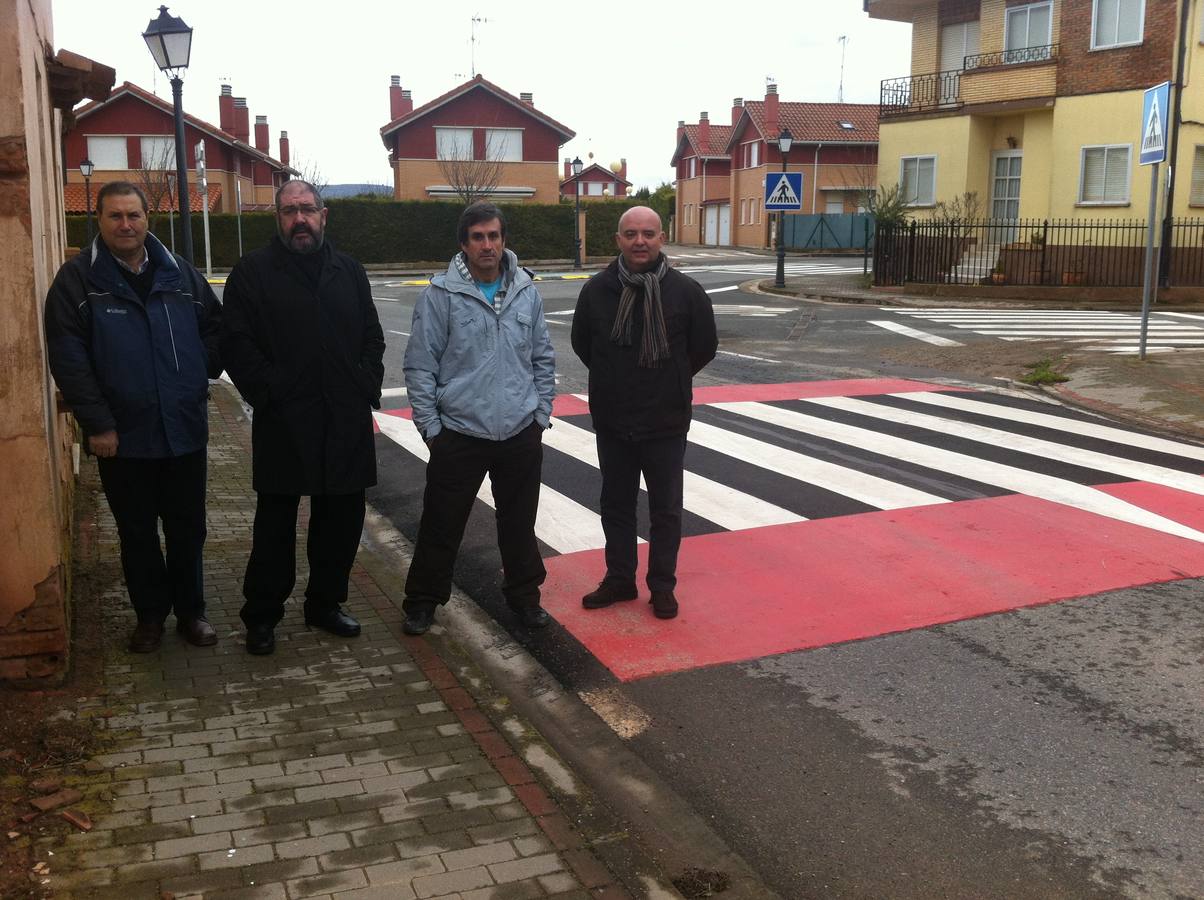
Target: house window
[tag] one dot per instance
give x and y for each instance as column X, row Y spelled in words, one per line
column 504, row 144
column 752, row 155
column 108, row 152
column 453, row 143
column 1105, row 175
column 743, row 212
column 692, row 161
column 1116, row 23
column 1197, row 177
column 159, row 153
column 833, row 203
column 593, row 188
column 1027, row 33
column 917, row 175
column 754, row 211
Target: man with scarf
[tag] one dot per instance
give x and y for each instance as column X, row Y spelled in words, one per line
column 480, row 376
column 644, row 331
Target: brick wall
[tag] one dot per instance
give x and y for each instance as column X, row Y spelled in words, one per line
column 1082, row 70
column 411, row 177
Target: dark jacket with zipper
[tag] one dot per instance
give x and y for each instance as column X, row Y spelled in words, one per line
column 626, row 399
column 308, row 357
column 140, row 368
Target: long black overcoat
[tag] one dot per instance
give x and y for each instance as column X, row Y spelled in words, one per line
column 310, row 363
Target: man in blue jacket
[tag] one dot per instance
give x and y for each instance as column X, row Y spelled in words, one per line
column 132, row 335
column 480, row 376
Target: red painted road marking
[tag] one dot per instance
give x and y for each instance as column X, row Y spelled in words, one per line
column 750, row 594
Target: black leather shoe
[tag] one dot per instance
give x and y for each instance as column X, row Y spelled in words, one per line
column 146, row 637
column 534, row 617
column 609, row 592
column 664, row 604
column 419, row 619
column 261, row 640
column 197, row 632
column 333, row 620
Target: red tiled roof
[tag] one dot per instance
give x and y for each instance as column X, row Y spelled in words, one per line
column 609, row 173
column 812, row 123
column 75, row 198
column 146, row 96
column 718, row 143
column 477, row 82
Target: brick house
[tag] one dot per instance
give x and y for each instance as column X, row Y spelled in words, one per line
column 466, row 132
column 721, row 169
column 130, row 136
column 596, row 182
column 1036, row 107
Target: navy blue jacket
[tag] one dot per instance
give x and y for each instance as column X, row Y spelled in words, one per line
column 141, row 369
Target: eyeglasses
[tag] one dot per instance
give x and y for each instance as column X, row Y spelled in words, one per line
column 291, row 211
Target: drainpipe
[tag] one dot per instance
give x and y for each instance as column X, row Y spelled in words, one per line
column 1164, row 257
column 815, row 179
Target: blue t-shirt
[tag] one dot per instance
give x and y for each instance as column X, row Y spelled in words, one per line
column 490, row 289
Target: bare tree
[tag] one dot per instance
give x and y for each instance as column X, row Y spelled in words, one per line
column 471, row 179
column 964, row 208
column 155, row 176
column 311, row 172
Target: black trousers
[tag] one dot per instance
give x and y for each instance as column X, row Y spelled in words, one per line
column 454, row 474
column 336, row 522
column 141, row 492
column 662, row 462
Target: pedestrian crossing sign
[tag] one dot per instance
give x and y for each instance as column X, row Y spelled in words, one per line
column 1153, row 124
column 784, row 190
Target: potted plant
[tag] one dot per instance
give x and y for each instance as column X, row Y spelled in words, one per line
column 1075, row 270
column 997, row 274
column 1037, row 239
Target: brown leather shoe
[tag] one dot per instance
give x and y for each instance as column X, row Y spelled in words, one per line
column 197, row 632
column 146, row 637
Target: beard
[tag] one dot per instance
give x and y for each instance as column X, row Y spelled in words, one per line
column 295, row 239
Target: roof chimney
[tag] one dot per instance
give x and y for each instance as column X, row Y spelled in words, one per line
column 397, row 98
column 737, row 109
column 261, row 134
column 284, row 147
column 568, row 168
column 704, row 132
column 242, row 120
column 527, row 97
column 772, row 125
column 225, row 109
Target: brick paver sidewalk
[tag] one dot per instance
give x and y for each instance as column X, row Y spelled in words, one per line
column 357, row 768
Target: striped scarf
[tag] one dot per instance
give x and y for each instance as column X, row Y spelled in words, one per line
column 654, row 344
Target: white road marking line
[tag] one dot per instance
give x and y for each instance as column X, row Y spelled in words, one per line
column 1022, row 481
column 393, row 392
column 1060, row 423
column 915, row 333
column 563, row 524
column 869, row 489
column 746, row 356
column 734, row 287
column 715, row 502
column 1183, row 315
column 387, row 299
column 1038, row 447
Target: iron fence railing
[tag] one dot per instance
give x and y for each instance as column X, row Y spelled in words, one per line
column 917, row 93
column 1046, row 53
column 1035, row 252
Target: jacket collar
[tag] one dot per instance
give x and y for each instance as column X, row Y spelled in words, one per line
column 458, row 280
column 104, row 271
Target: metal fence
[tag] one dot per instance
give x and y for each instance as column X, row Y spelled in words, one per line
column 828, row 231
column 1108, row 253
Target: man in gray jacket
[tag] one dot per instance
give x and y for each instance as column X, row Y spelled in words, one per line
column 480, row 376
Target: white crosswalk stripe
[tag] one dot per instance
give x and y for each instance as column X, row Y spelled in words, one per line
column 894, row 451
column 1115, row 332
column 763, row 269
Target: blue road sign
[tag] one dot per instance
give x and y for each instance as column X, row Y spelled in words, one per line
column 784, row 190
column 1154, row 124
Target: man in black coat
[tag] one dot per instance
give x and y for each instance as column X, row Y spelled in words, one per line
column 644, row 331
column 132, row 336
column 305, row 349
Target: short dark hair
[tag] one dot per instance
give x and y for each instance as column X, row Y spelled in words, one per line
column 475, row 214
column 120, row 189
column 313, row 190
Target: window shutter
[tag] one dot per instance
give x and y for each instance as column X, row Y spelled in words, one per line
column 1093, row 175
column 1116, row 174
column 1197, row 177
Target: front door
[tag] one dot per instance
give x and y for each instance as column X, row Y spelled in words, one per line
column 711, row 217
column 1005, row 194
column 725, row 225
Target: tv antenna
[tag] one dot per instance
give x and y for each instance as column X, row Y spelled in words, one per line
column 844, row 43
column 472, row 43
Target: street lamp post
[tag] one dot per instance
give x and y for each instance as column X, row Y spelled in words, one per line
column 785, row 139
column 86, row 168
column 577, row 212
column 170, row 43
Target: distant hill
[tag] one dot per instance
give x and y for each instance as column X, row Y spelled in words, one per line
column 350, row 190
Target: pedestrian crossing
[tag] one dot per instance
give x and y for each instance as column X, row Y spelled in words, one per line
column 770, row 268
column 1105, row 331
column 772, row 455
column 709, row 254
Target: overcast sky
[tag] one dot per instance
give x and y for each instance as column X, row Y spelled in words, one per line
column 613, row 73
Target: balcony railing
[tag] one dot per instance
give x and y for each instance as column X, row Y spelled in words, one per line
column 1047, row 53
column 919, row 93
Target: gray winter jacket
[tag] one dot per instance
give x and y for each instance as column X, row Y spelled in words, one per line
column 478, row 372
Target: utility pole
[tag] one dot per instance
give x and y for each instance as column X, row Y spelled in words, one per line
column 844, row 43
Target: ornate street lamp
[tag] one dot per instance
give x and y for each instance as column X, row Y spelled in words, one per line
column 86, row 168
column 785, row 139
column 170, row 43
column 576, row 164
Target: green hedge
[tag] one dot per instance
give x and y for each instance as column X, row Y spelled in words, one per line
column 383, row 232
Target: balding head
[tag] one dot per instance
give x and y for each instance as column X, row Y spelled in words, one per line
column 640, row 238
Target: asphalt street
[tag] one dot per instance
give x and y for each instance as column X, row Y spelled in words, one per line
column 937, row 639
